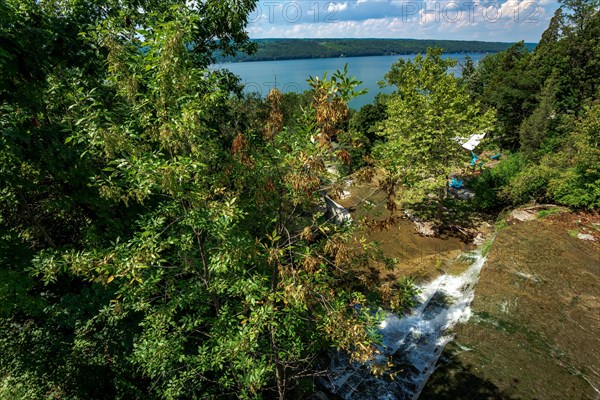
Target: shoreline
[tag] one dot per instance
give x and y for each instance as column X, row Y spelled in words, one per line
column 317, row 48
column 334, row 58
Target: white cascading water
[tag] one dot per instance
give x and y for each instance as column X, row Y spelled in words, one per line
column 412, row 343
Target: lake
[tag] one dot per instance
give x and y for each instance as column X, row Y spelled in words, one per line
column 291, row 75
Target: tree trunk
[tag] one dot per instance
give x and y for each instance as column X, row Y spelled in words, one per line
column 281, row 381
column 206, row 272
column 32, row 217
column 279, row 368
column 440, row 209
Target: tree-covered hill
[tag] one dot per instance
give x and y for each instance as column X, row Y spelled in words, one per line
column 293, row 49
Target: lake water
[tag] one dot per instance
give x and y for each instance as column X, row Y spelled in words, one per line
column 291, row 75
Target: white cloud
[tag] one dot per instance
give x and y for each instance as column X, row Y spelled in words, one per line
column 339, row 7
column 499, row 20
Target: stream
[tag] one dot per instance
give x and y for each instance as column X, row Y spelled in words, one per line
column 411, row 344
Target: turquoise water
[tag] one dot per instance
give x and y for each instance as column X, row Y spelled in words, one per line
column 291, row 75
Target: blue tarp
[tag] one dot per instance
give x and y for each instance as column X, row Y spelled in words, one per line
column 474, row 159
column 456, row 183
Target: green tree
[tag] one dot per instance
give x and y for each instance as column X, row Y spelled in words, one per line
column 158, row 241
column 428, row 110
column 510, row 91
column 580, row 45
column 540, row 125
column 467, row 69
column 569, row 175
column 366, row 119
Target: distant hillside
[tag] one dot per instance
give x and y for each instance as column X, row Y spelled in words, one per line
column 293, row 49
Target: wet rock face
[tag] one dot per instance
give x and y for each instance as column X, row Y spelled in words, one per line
column 536, row 318
column 411, row 343
column 461, row 194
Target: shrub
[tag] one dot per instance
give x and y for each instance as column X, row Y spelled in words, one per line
column 488, row 185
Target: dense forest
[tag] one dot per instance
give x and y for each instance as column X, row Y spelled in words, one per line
column 164, row 236
column 293, row 49
column 546, row 116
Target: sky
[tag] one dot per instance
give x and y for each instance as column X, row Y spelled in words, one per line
column 485, row 20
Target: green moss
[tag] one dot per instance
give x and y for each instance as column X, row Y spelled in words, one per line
column 501, row 224
column 485, row 249
column 550, row 211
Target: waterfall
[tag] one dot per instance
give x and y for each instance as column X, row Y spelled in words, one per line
column 411, row 343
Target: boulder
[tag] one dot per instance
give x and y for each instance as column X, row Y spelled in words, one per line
column 336, row 212
column 522, row 215
column 425, row 228
column 586, row 236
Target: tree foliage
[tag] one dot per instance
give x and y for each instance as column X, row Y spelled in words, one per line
column 161, row 236
column 547, row 97
column 366, row 119
column 426, row 113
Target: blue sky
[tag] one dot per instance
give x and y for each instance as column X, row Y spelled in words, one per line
column 487, row 20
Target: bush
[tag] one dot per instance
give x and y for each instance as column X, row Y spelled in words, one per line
column 530, row 184
column 572, row 190
column 491, row 182
column 569, row 174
